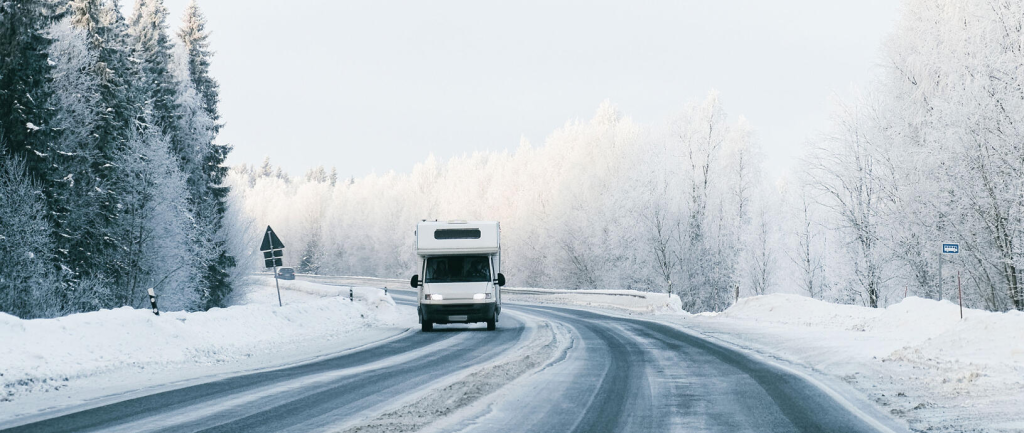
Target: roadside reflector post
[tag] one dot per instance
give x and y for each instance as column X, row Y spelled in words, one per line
column 961, row 292
column 385, row 290
column 152, row 301
column 351, row 298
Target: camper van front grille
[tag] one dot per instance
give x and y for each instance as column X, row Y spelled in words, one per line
column 445, row 234
column 459, row 309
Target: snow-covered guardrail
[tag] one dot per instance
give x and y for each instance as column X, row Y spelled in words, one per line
column 630, row 300
column 511, row 291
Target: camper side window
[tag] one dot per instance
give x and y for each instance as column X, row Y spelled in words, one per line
column 457, row 269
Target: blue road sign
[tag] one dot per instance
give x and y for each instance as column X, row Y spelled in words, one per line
column 951, row 248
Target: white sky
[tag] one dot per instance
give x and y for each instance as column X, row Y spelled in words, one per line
column 377, row 86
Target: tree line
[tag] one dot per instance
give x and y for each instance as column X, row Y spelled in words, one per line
column 930, row 152
column 111, row 179
column 933, row 152
column 605, row 203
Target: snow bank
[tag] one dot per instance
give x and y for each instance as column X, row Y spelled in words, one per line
column 631, row 301
column 48, row 354
column 263, row 291
column 923, row 329
column 917, row 358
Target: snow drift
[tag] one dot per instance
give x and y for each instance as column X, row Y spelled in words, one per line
column 46, row 354
column 917, row 359
column 925, row 331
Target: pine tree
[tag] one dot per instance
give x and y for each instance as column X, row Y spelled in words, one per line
column 121, row 97
column 75, row 193
column 125, row 106
column 280, row 174
column 88, row 16
column 266, row 169
column 207, row 176
column 151, row 47
column 195, row 40
column 318, row 175
column 23, row 88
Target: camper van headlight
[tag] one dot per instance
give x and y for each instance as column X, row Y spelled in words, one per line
column 480, row 296
column 434, row 297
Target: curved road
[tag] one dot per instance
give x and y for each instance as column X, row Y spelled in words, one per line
column 617, row 374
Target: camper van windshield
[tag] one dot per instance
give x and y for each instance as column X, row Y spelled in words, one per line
column 458, row 269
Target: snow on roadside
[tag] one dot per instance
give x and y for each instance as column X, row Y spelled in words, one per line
column 631, row 301
column 134, row 348
column 263, row 291
column 916, row 359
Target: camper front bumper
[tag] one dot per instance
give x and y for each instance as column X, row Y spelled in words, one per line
column 457, row 313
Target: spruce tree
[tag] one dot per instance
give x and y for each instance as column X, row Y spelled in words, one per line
column 76, row 194
column 23, row 89
column 207, row 176
column 266, row 169
column 120, row 110
column 120, row 94
column 195, row 40
column 151, row 47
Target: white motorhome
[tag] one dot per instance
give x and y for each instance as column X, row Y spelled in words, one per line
column 461, row 268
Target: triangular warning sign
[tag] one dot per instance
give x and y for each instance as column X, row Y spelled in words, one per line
column 271, row 241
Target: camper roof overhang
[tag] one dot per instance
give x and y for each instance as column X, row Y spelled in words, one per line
column 434, row 238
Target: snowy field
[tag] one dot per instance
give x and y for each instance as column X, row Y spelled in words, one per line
column 83, row 358
column 916, row 359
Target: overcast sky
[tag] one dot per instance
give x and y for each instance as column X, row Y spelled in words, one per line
column 377, row 86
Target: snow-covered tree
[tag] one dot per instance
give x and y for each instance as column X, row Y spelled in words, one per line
column 26, row 281
column 158, row 226
column 24, row 91
column 152, row 49
column 209, row 195
column 933, row 155
column 603, row 204
column 76, row 193
column 120, row 153
column 195, row 41
column 807, row 247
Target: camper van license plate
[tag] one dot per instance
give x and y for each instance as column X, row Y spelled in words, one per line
column 458, row 318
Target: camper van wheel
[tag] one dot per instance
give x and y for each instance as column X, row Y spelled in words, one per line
column 427, row 326
column 491, row 324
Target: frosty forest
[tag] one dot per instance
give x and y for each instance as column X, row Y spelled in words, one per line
column 932, row 152
column 112, row 180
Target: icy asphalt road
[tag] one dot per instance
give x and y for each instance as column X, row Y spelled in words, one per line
column 614, row 374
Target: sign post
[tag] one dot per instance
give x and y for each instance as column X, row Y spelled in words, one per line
column 953, row 249
column 961, row 291
column 273, row 251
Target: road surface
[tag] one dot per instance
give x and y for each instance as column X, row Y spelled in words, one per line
column 613, row 374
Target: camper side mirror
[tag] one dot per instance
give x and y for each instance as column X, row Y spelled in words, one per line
column 501, row 279
column 415, row 281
